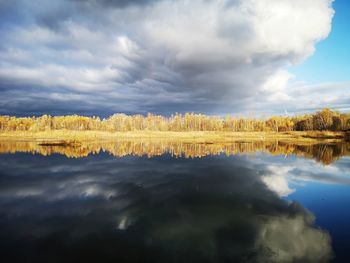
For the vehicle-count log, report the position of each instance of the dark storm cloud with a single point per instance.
(159, 56)
(54, 19)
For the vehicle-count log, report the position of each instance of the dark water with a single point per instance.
(240, 208)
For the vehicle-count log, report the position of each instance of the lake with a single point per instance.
(164, 201)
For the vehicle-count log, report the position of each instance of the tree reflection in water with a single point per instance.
(322, 152)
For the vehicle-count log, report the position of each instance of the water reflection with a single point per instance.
(103, 209)
(322, 152)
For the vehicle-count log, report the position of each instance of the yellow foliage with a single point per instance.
(323, 120)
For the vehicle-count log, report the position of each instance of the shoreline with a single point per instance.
(68, 136)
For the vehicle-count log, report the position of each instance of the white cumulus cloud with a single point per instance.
(161, 56)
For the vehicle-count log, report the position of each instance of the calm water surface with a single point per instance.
(259, 207)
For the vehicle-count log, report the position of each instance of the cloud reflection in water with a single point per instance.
(213, 209)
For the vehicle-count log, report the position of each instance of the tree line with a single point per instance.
(325, 119)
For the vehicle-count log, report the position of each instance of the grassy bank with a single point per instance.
(68, 136)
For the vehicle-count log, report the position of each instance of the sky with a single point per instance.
(99, 57)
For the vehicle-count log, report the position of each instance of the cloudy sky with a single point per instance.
(98, 57)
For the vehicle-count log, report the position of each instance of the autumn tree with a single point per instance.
(322, 120)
